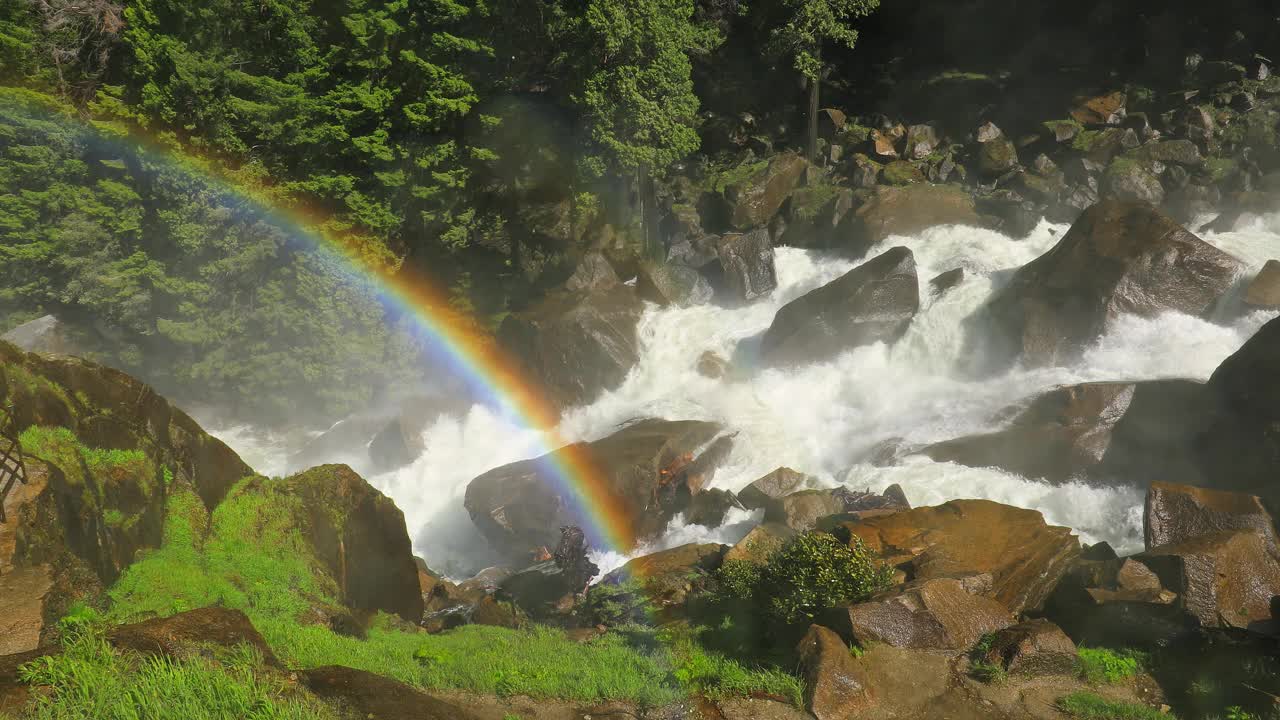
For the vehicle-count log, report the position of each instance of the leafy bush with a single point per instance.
(617, 604)
(1099, 665)
(816, 571)
(1087, 706)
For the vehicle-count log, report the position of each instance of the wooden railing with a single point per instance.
(12, 468)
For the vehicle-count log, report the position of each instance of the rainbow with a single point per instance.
(488, 371)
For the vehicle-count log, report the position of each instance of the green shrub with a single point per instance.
(738, 579)
(1098, 665)
(1087, 706)
(617, 604)
(816, 571)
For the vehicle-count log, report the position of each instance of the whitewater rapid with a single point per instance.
(821, 419)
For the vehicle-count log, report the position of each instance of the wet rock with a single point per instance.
(359, 536)
(189, 632)
(593, 273)
(542, 590)
(1100, 431)
(747, 263)
(1009, 213)
(376, 697)
(643, 469)
(833, 689)
(865, 172)
(874, 302)
(28, 601)
(997, 157)
(576, 345)
(1108, 109)
(815, 215)
(759, 709)
(906, 210)
(709, 507)
(885, 141)
(754, 201)
(776, 485)
(901, 172)
(937, 614)
(1024, 556)
(1035, 648)
(922, 140)
(665, 575)
(712, 365)
(1177, 513)
(1171, 152)
(761, 542)
(943, 282)
(1225, 579)
(667, 284)
(988, 132)
(1130, 181)
(1118, 258)
(800, 511)
(1263, 291)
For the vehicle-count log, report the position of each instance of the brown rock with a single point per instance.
(937, 614)
(832, 687)
(665, 575)
(874, 302)
(712, 365)
(185, 633)
(1118, 258)
(753, 202)
(25, 598)
(644, 467)
(1224, 579)
(1264, 290)
(747, 263)
(1177, 513)
(759, 709)
(801, 511)
(1105, 109)
(378, 698)
(905, 210)
(359, 535)
(885, 142)
(1035, 647)
(760, 543)
(946, 281)
(1024, 556)
(577, 345)
(776, 485)
(594, 273)
(667, 284)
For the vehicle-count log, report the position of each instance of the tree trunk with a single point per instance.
(814, 85)
(648, 215)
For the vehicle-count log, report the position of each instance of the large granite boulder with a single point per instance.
(762, 541)
(1118, 258)
(594, 273)
(1178, 513)
(754, 201)
(45, 334)
(1263, 292)
(576, 345)
(1132, 181)
(874, 302)
(665, 577)
(640, 474)
(668, 284)
(1225, 579)
(833, 688)
(776, 485)
(1104, 431)
(746, 264)
(1024, 556)
(1035, 647)
(936, 614)
(359, 537)
(906, 210)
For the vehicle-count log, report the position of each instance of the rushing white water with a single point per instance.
(822, 418)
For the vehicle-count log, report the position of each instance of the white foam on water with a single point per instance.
(822, 418)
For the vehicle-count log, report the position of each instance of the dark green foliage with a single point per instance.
(812, 572)
(613, 605)
(1098, 665)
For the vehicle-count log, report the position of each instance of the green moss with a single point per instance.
(113, 518)
(1085, 140)
(1219, 169)
(1087, 706)
(901, 172)
(808, 202)
(1098, 665)
(1053, 125)
(57, 446)
(719, 181)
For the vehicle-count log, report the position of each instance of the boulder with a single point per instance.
(1118, 258)
(1223, 580)
(776, 485)
(1009, 213)
(1107, 431)
(801, 511)
(665, 576)
(1171, 152)
(988, 132)
(542, 590)
(709, 507)
(594, 273)
(755, 200)
(1131, 181)
(901, 172)
(1108, 109)
(874, 302)
(1035, 647)
(833, 688)
(576, 345)
(943, 282)
(937, 614)
(29, 608)
(359, 536)
(667, 284)
(192, 632)
(1263, 292)
(922, 140)
(1177, 513)
(760, 543)
(46, 334)
(814, 216)
(641, 472)
(885, 141)
(747, 263)
(378, 698)
(754, 708)
(1024, 556)
(906, 210)
(711, 365)
(997, 157)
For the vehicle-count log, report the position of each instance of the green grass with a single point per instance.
(90, 679)
(717, 676)
(1099, 665)
(1087, 706)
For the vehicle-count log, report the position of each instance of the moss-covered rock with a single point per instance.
(901, 172)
